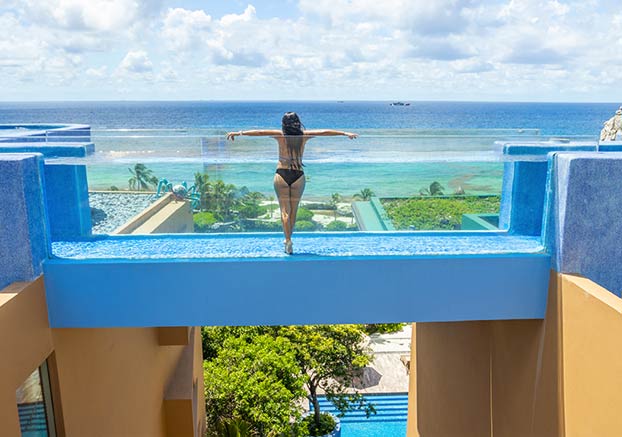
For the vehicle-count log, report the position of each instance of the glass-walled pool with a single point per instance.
(398, 179)
(139, 180)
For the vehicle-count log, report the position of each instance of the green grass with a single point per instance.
(437, 213)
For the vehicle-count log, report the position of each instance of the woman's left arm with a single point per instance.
(254, 133)
(329, 133)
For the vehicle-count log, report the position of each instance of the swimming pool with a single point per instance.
(389, 420)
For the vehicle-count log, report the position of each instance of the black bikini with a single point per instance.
(290, 176)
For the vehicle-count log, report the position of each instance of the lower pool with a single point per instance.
(389, 420)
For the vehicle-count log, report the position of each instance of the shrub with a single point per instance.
(429, 213)
(252, 210)
(319, 206)
(305, 225)
(262, 226)
(327, 424)
(203, 221)
(336, 225)
(304, 215)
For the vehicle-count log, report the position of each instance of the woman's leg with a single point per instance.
(289, 199)
(283, 193)
(296, 190)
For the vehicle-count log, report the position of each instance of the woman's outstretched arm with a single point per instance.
(254, 133)
(329, 133)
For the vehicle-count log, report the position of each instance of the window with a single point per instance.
(34, 405)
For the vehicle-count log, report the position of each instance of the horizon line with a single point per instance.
(302, 100)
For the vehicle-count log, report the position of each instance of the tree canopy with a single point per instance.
(258, 381)
(259, 374)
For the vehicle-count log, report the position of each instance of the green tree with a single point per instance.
(142, 178)
(224, 200)
(335, 198)
(258, 381)
(204, 188)
(435, 189)
(365, 194)
(235, 428)
(337, 226)
(331, 356)
(250, 205)
(384, 328)
(327, 357)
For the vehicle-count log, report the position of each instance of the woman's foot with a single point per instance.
(289, 247)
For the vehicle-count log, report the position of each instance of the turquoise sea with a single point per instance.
(401, 149)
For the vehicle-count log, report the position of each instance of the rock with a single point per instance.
(612, 127)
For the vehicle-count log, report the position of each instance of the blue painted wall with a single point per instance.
(68, 201)
(68, 208)
(524, 182)
(23, 224)
(584, 216)
(287, 291)
(522, 200)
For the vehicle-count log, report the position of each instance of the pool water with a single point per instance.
(389, 420)
(269, 245)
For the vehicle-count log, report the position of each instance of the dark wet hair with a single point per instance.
(293, 129)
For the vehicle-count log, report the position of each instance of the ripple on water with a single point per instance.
(271, 246)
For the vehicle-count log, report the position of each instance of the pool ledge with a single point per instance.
(316, 287)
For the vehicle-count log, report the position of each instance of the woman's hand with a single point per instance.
(231, 135)
(351, 135)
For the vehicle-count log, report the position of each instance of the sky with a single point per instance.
(495, 50)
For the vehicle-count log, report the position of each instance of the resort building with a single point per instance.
(516, 330)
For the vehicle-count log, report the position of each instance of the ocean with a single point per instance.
(401, 149)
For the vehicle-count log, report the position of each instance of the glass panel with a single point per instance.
(384, 180)
(34, 405)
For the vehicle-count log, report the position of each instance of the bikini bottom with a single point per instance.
(289, 176)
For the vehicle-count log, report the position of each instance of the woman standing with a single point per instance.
(289, 180)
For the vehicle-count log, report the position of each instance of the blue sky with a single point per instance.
(499, 50)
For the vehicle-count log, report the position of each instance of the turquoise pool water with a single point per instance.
(269, 245)
(389, 420)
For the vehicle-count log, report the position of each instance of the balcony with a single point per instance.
(243, 278)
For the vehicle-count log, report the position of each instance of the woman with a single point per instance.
(289, 180)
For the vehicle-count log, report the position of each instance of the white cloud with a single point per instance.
(96, 15)
(357, 48)
(184, 29)
(135, 63)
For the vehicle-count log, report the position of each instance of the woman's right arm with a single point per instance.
(254, 133)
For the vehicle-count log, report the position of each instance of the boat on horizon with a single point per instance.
(399, 104)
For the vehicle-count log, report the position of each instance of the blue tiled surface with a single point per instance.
(40, 133)
(270, 245)
(545, 147)
(23, 226)
(522, 203)
(584, 217)
(49, 149)
(68, 201)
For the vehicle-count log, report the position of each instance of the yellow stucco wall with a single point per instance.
(25, 342)
(561, 376)
(592, 359)
(112, 381)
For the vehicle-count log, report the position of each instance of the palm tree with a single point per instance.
(204, 188)
(365, 194)
(224, 199)
(436, 189)
(142, 178)
(335, 198)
